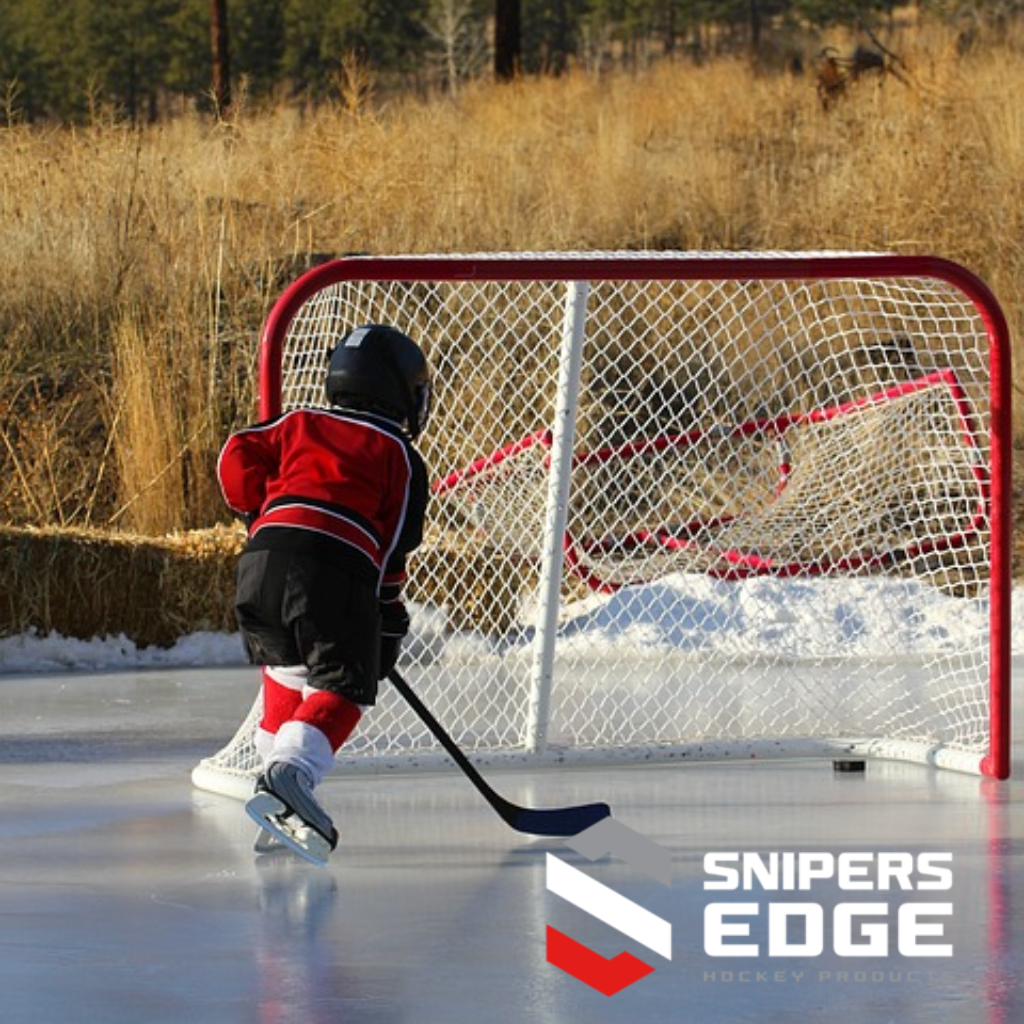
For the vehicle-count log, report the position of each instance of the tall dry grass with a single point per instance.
(138, 264)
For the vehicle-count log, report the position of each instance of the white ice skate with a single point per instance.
(284, 807)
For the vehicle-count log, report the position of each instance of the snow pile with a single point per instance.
(868, 617)
(808, 618)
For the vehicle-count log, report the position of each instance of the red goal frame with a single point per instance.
(721, 267)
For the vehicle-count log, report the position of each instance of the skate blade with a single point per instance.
(269, 813)
(267, 842)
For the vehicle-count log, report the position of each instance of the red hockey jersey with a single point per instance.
(351, 478)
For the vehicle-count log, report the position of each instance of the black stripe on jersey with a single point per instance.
(326, 506)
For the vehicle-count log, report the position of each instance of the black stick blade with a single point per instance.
(545, 821)
(555, 821)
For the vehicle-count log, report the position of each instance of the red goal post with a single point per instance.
(691, 505)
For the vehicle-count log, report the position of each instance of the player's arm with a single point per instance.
(245, 463)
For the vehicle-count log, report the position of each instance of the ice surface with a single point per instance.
(127, 897)
(130, 898)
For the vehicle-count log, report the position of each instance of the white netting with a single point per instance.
(791, 474)
(863, 484)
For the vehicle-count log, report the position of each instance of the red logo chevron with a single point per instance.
(607, 976)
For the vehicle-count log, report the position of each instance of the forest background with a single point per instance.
(147, 225)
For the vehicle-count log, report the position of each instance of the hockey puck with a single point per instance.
(849, 767)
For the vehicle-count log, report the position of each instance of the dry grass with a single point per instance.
(83, 583)
(139, 264)
(153, 590)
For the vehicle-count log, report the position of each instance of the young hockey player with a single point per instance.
(335, 500)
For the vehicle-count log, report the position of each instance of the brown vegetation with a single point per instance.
(837, 73)
(152, 590)
(139, 263)
(83, 583)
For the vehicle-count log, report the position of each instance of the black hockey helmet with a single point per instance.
(379, 368)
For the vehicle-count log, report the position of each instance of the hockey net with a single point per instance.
(688, 505)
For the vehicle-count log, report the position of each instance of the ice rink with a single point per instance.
(128, 897)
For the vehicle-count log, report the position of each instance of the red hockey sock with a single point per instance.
(332, 714)
(282, 695)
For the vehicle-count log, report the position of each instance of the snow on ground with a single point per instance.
(683, 612)
(33, 652)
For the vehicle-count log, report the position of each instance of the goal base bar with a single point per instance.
(239, 785)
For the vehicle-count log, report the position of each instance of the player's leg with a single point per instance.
(334, 622)
(302, 755)
(261, 593)
(282, 694)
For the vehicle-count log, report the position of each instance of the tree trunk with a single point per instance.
(507, 41)
(755, 27)
(221, 54)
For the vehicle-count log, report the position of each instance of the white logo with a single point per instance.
(355, 339)
(850, 933)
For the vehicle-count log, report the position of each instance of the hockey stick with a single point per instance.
(548, 821)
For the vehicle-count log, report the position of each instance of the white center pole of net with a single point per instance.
(556, 514)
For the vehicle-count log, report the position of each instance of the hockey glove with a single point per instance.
(394, 626)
